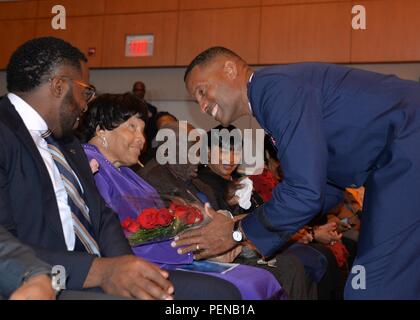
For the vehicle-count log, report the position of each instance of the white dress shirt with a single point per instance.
(37, 126)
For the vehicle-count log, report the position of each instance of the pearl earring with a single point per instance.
(104, 142)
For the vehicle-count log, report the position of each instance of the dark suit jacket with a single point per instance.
(28, 206)
(17, 262)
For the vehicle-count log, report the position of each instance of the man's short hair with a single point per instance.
(34, 61)
(208, 55)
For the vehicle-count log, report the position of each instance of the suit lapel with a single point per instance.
(49, 200)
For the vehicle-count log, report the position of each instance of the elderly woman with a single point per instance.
(113, 127)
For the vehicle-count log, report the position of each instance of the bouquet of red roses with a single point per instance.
(154, 225)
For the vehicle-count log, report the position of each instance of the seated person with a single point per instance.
(221, 176)
(48, 199)
(113, 125)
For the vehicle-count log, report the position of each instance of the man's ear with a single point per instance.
(57, 87)
(230, 69)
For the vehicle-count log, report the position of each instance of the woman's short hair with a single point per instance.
(108, 111)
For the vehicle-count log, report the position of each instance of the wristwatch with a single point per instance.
(237, 234)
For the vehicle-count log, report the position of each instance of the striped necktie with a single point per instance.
(85, 238)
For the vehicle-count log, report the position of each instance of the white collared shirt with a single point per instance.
(36, 127)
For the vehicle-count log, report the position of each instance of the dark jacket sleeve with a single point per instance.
(111, 236)
(17, 262)
(292, 115)
(333, 196)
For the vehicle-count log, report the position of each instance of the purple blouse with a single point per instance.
(128, 195)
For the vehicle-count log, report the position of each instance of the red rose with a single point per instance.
(148, 219)
(130, 225)
(187, 214)
(164, 217)
(134, 226)
(173, 207)
(126, 223)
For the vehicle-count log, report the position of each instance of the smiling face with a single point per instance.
(124, 142)
(218, 89)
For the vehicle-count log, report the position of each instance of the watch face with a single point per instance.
(237, 236)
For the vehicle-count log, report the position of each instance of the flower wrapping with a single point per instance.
(154, 225)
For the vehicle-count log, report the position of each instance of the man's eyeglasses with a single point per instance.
(89, 91)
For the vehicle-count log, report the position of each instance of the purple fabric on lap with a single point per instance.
(162, 253)
(252, 282)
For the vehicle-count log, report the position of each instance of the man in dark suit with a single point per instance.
(48, 81)
(334, 127)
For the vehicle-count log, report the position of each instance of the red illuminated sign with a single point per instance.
(139, 46)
